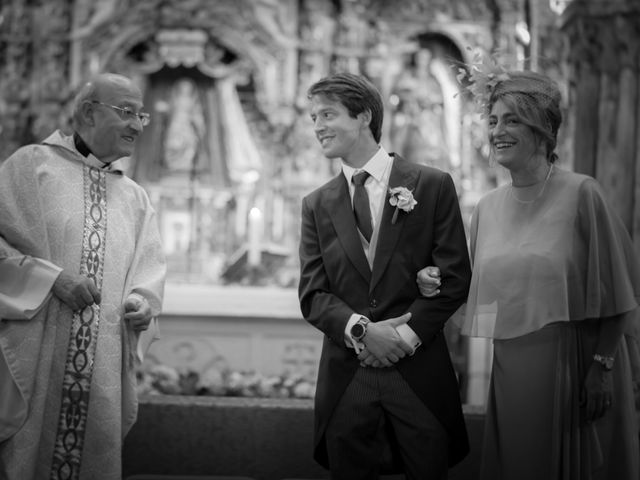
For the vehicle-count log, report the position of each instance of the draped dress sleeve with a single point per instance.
(567, 257)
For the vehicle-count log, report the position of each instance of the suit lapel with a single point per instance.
(402, 175)
(338, 205)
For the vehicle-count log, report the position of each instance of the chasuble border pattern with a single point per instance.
(84, 335)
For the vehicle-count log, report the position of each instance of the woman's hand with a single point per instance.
(597, 392)
(428, 280)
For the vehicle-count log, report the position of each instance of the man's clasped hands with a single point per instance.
(383, 346)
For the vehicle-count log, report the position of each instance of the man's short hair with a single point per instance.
(356, 93)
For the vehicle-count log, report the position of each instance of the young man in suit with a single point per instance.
(385, 380)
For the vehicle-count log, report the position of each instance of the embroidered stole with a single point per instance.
(84, 335)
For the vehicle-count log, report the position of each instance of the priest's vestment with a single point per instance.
(67, 379)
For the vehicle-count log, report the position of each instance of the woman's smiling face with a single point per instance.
(512, 142)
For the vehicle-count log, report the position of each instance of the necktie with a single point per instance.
(361, 205)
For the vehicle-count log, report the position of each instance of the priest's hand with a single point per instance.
(76, 291)
(137, 312)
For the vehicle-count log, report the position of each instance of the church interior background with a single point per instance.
(230, 150)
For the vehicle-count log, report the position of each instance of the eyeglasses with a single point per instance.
(127, 114)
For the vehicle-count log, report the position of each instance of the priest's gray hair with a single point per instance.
(90, 91)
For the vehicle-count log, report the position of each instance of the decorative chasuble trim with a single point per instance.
(76, 386)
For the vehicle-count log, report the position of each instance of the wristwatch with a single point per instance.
(359, 329)
(604, 360)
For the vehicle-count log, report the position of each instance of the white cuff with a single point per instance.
(146, 338)
(409, 336)
(136, 296)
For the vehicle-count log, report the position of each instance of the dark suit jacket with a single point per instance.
(336, 282)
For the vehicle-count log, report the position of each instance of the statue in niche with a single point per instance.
(185, 131)
(418, 127)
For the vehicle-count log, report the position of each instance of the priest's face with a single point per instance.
(116, 121)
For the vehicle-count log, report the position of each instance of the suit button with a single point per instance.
(373, 303)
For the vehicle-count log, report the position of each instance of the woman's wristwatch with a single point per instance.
(604, 360)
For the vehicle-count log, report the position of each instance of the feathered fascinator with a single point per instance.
(480, 78)
(487, 81)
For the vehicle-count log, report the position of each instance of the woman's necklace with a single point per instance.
(544, 185)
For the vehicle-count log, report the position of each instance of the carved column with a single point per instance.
(33, 71)
(51, 91)
(603, 57)
(15, 61)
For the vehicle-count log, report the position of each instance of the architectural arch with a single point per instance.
(425, 109)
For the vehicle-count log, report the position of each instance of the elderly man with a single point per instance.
(81, 282)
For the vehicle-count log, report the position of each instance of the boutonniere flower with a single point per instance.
(402, 199)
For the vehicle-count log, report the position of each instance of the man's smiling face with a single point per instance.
(340, 135)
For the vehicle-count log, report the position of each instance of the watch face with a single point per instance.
(357, 331)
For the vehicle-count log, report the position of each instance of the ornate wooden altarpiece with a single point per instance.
(230, 151)
(225, 84)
